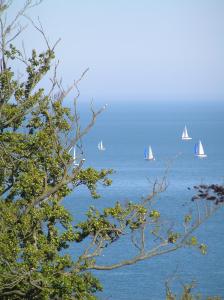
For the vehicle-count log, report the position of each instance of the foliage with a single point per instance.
(37, 172)
(187, 294)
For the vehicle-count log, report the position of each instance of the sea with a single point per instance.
(126, 129)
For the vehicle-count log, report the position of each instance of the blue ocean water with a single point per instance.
(126, 128)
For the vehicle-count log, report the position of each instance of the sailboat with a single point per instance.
(148, 155)
(199, 150)
(74, 158)
(185, 135)
(101, 146)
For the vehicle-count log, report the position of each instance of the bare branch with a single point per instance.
(20, 30)
(28, 5)
(41, 30)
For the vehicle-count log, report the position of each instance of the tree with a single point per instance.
(38, 172)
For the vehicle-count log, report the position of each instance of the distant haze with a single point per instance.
(142, 49)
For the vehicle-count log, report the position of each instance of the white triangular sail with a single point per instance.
(74, 154)
(148, 155)
(101, 146)
(75, 158)
(199, 150)
(185, 135)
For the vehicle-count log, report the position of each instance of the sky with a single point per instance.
(135, 49)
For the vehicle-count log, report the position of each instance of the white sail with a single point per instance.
(200, 150)
(101, 146)
(74, 154)
(74, 158)
(185, 135)
(149, 154)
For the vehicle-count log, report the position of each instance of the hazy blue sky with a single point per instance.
(142, 49)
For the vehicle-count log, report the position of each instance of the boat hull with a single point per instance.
(201, 155)
(186, 138)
